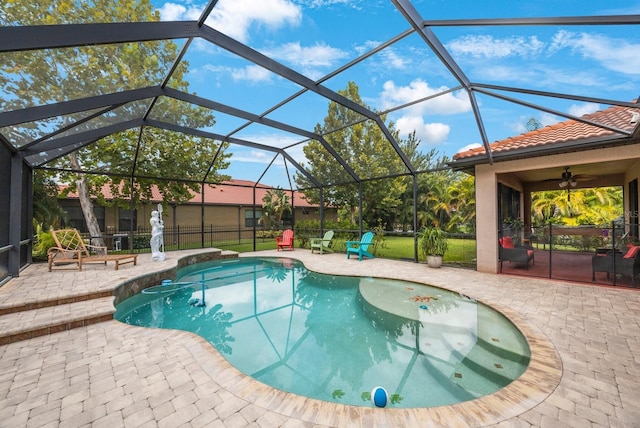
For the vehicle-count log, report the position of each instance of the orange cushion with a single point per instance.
(507, 242)
(631, 253)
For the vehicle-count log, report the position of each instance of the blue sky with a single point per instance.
(316, 37)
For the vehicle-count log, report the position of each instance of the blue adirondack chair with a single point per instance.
(360, 247)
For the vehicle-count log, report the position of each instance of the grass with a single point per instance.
(461, 251)
(245, 247)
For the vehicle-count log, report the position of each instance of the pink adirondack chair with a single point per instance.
(286, 240)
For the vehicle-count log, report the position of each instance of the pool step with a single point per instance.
(26, 324)
(44, 303)
(31, 313)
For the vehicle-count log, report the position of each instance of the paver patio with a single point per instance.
(114, 375)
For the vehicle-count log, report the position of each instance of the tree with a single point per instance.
(596, 205)
(55, 75)
(274, 203)
(434, 208)
(533, 124)
(462, 198)
(46, 209)
(365, 148)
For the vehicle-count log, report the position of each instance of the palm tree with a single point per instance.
(275, 204)
(46, 209)
(433, 199)
(462, 198)
(597, 205)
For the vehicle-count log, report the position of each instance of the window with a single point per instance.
(287, 219)
(508, 205)
(75, 217)
(250, 220)
(124, 219)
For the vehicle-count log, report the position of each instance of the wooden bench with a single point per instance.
(71, 249)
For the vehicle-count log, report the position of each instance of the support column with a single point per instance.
(486, 219)
(15, 214)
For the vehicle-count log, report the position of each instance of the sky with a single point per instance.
(317, 37)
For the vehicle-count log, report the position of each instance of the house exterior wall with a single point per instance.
(631, 174)
(486, 219)
(190, 215)
(488, 176)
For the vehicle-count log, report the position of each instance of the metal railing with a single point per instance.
(462, 252)
(581, 253)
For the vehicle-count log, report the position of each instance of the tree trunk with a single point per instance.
(87, 205)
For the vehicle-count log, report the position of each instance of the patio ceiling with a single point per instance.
(607, 173)
(265, 123)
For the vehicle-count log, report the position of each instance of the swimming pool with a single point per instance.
(336, 338)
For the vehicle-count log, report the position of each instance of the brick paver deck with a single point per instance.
(108, 374)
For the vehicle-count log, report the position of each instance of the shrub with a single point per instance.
(44, 241)
(141, 241)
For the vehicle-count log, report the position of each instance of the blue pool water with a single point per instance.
(335, 338)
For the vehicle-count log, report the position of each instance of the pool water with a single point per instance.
(335, 338)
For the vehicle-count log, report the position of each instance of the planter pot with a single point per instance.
(434, 261)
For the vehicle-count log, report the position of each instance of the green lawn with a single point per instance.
(461, 251)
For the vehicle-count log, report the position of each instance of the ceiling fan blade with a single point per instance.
(584, 177)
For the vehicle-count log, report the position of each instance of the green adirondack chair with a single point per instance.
(360, 247)
(322, 244)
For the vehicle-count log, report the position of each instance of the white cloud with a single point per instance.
(413, 119)
(235, 17)
(450, 103)
(549, 119)
(319, 55)
(614, 54)
(543, 75)
(430, 133)
(469, 147)
(392, 59)
(326, 3)
(487, 46)
(582, 109)
(172, 12)
(252, 73)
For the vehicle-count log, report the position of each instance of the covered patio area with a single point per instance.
(571, 266)
(108, 373)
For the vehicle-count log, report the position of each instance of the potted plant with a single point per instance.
(433, 243)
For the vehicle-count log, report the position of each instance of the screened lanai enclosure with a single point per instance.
(352, 103)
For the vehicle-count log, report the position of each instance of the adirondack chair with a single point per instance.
(322, 244)
(360, 247)
(285, 241)
(71, 249)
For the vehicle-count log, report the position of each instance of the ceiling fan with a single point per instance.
(569, 180)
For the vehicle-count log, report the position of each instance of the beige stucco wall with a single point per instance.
(488, 176)
(217, 215)
(632, 174)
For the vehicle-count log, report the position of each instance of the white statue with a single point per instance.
(157, 240)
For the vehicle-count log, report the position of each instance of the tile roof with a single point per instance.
(563, 132)
(231, 192)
